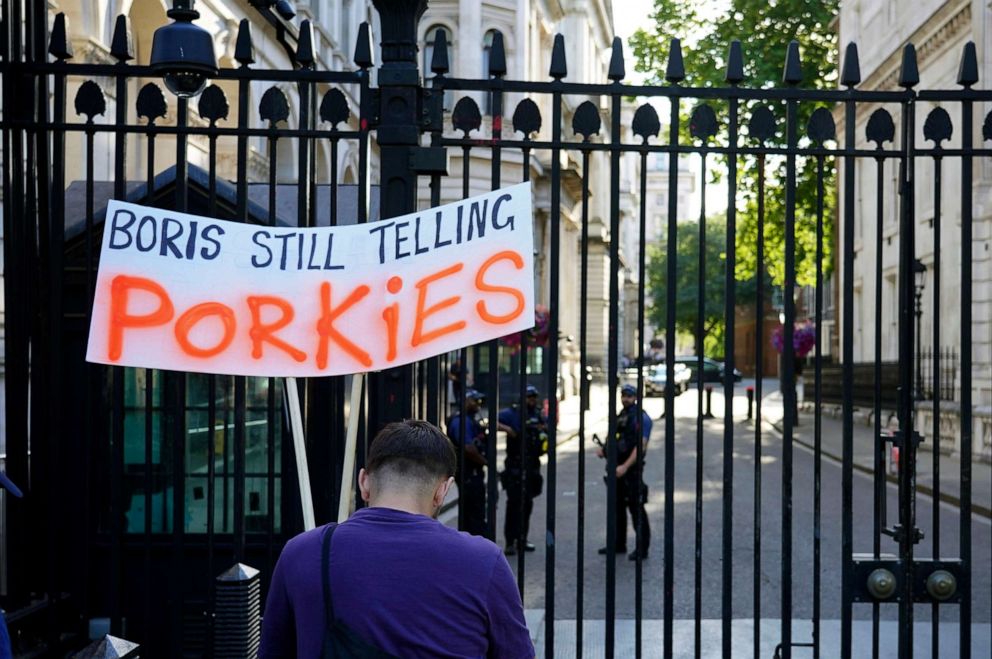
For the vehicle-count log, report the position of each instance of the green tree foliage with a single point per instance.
(765, 27)
(687, 282)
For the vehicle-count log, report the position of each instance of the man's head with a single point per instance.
(532, 394)
(473, 401)
(410, 466)
(628, 395)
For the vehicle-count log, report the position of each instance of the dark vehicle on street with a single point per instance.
(655, 376)
(712, 369)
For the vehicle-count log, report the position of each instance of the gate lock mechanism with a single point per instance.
(882, 579)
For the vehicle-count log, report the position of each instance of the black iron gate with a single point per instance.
(144, 485)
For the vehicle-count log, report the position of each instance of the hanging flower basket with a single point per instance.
(803, 338)
(537, 336)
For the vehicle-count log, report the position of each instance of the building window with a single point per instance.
(487, 48)
(429, 37)
(149, 454)
(346, 36)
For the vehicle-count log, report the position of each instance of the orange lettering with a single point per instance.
(419, 337)
(391, 315)
(120, 289)
(325, 326)
(194, 315)
(261, 332)
(480, 283)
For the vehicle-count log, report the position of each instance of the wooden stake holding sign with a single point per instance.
(350, 449)
(311, 302)
(345, 498)
(300, 451)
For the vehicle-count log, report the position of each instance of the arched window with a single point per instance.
(429, 37)
(487, 49)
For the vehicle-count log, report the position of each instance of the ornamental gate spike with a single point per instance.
(851, 75)
(675, 70)
(559, 69)
(617, 71)
(439, 58)
(735, 63)
(244, 49)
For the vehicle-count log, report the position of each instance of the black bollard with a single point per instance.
(750, 403)
(709, 402)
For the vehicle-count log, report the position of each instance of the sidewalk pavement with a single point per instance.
(831, 440)
(596, 417)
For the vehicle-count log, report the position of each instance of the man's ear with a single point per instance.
(364, 486)
(442, 491)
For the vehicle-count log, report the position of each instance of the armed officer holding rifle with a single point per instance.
(632, 433)
(521, 477)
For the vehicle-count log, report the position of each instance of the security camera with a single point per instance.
(285, 9)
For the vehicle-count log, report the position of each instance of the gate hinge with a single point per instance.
(426, 160)
(370, 109)
(432, 110)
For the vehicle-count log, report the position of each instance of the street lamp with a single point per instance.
(183, 53)
(920, 280)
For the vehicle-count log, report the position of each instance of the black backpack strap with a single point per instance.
(340, 641)
(325, 574)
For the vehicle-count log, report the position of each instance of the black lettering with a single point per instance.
(313, 251)
(285, 248)
(147, 220)
(209, 256)
(382, 239)
(458, 226)
(254, 259)
(400, 240)
(509, 219)
(191, 240)
(169, 240)
(416, 239)
(299, 258)
(330, 250)
(477, 219)
(437, 232)
(115, 227)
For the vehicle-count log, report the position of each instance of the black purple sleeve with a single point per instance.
(508, 634)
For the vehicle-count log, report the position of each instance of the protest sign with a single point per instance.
(187, 293)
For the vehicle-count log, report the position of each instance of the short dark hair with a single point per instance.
(411, 449)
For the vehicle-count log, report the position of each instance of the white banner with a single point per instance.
(188, 293)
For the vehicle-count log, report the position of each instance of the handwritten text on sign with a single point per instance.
(188, 293)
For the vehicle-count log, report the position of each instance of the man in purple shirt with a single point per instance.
(400, 581)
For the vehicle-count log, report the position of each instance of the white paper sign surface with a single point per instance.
(188, 293)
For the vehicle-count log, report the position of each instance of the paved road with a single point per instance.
(744, 524)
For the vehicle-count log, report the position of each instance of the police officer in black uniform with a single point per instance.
(522, 481)
(633, 431)
(466, 430)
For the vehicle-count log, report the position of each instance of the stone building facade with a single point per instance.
(939, 29)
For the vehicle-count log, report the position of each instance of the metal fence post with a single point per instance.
(397, 133)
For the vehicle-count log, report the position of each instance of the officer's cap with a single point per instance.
(532, 390)
(628, 390)
(475, 394)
